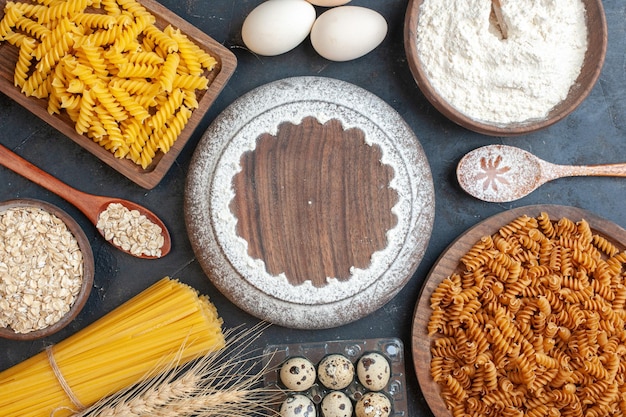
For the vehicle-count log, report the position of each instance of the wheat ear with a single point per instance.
(220, 383)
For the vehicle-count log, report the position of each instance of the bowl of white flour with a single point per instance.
(505, 82)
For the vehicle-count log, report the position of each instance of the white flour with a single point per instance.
(497, 80)
(212, 225)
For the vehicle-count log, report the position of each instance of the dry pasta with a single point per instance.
(119, 350)
(536, 327)
(115, 59)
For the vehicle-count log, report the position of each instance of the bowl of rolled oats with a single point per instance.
(46, 269)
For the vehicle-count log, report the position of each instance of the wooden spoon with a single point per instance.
(90, 205)
(500, 173)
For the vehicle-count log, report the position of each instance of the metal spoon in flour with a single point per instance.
(500, 173)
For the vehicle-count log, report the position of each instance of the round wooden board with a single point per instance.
(448, 263)
(309, 202)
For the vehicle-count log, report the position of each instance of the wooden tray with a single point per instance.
(300, 180)
(147, 178)
(448, 263)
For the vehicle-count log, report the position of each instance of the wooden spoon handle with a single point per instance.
(604, 170)
(82, 201)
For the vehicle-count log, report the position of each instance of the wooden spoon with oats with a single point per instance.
(147, 237)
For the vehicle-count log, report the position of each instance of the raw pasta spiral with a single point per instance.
(23, 62)
(536, 327)
(86, 112)
(32, 28)
(94, 20)
(110, 68)
(11, 16)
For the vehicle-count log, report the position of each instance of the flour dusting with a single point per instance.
(236, 248)
(212, 226)
(498, 80)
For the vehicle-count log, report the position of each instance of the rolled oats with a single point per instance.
(41, 269)
(130, 230)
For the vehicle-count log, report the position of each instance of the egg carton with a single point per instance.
(391, 348)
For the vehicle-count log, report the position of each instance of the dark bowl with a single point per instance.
(597, 36)
(88, 269)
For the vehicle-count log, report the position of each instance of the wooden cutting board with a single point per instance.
(150, 176)
(309, 202)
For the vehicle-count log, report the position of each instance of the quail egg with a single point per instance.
(373, 371)
(335, 371)
(297, 374)
(298, 405)
(373, 404)
(336, 404)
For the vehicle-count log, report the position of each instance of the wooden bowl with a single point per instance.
(592, 65)
(449, 263)
(88, 269)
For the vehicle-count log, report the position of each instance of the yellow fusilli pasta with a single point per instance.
(105, 62)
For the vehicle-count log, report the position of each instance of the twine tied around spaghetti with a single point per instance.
(59, 375)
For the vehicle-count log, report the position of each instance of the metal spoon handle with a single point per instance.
(602, 170)
(81, 200)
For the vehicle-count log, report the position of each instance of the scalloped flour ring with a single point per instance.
(235, 247)
(299, 178)
(212, 226)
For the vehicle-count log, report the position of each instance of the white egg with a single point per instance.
(329, 3)
(298, 405)
(277, 26)
(348, 32)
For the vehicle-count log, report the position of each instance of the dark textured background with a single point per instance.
(595, 133)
